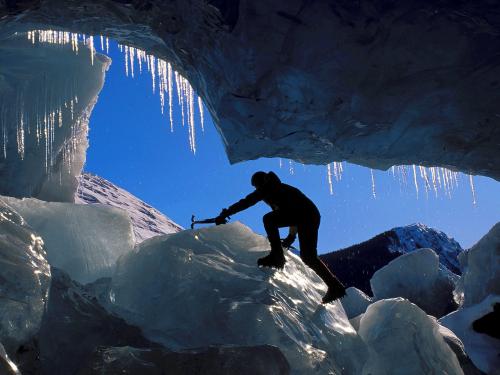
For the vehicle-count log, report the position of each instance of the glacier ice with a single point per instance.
(146, 220)
(85, 241)
(75, 323)
(25, 279)
(481, 264)
(47, 94)
(482, 349)
(202, 287)
(255, 360)
(355, 302)
(403, 339)
(418, 277)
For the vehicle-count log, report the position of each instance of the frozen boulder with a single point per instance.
(403, 339)
(458, 348)
(355, 302)
(257, 360)
(24, 279)
(418, 277)
(75, 323)
(482, 349)
(202, 287)
(84, 241)
(481, 265)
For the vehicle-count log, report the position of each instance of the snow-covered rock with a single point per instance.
(25, 279)
(257, 360)
(482, 349)
(202, 287)
(419, 236)
(355, 302)
(85, 241)
(47, 94)
(403, 339)
(146, 220)
(417, 277)
(481, 264)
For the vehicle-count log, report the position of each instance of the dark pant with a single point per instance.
(307, 224)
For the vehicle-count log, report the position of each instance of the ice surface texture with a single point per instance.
(417, 277)
(24, 279)
(355, 302)
(404, 340)
(481, 264)
(84, 241)
(256, 360)
(7, 367)
(146, 220)
(202, 287)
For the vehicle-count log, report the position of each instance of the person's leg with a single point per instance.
(272, 222)
(308, 241)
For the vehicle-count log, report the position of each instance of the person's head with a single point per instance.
(259, 179)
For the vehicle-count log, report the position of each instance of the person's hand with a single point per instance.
(287, 242)
(221, 219)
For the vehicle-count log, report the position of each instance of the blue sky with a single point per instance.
(132, 146)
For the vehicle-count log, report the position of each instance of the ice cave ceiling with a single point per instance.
(377, 83)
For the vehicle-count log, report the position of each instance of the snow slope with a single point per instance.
(146, 221)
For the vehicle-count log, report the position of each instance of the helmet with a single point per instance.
(259, 179)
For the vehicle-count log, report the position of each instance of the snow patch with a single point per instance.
(146, 220)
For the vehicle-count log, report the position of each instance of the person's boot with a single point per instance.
(275, 259)
(335, 291)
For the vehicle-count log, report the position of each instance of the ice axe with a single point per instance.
(206, 221)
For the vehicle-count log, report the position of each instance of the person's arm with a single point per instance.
(290, 239)
(241, 205)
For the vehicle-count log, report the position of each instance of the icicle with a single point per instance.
(92, 50)
(170, 112)
(373, 184)
(131, 51)
(281, 163)
(102, 43)
(473, 190)
(415, 179)
(107, 45)
(126, 61)
(200, 108)
(329, 174)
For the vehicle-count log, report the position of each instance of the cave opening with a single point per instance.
(139, 145)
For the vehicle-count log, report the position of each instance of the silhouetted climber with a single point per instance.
(291, 208)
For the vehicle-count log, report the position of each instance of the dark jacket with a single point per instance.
(278, 196)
